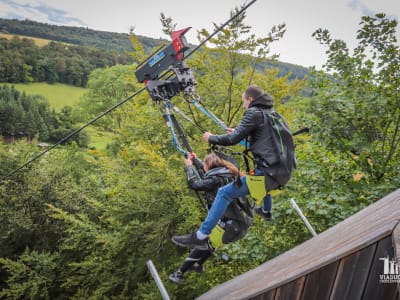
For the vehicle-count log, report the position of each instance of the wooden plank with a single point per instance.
(352, 274)
(270, 295)
(319, 283)
(353, 234)
(374, 288)
(291, 291)
(396, 243)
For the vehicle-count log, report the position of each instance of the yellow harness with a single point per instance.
(256, 185)
(216, 236)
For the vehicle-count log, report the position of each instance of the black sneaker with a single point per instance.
(196, 268)
(190, 240)
(176, 277)
(267, 215)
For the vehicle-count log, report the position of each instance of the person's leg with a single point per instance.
(202, 256)
(266, 208)
(267, 203)
(224, 197)
(194, 262)
(196, 257)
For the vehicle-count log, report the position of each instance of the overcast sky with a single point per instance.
(302, 18)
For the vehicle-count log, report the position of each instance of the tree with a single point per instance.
(167, 24)
(239, 55)
(106, 87)
(359, 104)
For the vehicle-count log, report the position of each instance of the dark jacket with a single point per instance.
(236, 223)
(253, 128)
(212, 181)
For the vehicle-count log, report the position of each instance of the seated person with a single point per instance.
(232, 226)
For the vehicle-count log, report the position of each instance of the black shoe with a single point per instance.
(196, 268)
(267, 215)
(190, 240)
(176, 277)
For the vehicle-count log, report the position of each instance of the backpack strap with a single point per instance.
(271, 120)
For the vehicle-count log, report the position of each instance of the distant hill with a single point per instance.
(109, 40)
(76, 35)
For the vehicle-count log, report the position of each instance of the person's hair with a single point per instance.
(253, 91)
(214, 161)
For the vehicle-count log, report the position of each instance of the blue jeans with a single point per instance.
(224, 197)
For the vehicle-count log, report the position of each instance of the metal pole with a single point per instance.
(303, 217)
(158, 281)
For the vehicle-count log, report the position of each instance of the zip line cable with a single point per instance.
(73, 133)
(244, 7)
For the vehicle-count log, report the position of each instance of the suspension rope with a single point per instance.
(187, 118)
(170, 125)
(195, 100)
(209, 114)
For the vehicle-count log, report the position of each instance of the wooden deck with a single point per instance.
(341, 263)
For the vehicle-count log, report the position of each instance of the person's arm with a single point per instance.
(207, 184)
(242, 131)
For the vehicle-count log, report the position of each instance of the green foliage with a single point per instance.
(359, 109)
(167, 24)
(24, 115)
(82, 224)
(121, 43)
(239, 54)
(58, 95)
(32, 274)
(74, 35)
(23, 61)
(106, 88)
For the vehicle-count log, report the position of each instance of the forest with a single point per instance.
(27, 116)
(75, 35)
(23, 61)
(81, 223)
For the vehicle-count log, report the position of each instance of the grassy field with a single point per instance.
(99, 139)
(59, 95)
(38, 41)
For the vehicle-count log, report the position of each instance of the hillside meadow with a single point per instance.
(59, 95)
(38, 41)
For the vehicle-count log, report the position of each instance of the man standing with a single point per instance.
(255, 128)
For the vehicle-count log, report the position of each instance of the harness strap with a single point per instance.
(168, 117)
(187, 118)
(209, 114)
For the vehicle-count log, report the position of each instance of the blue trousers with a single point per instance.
(224, 197)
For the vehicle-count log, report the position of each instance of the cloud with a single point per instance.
(372, 7)
(358, 5)
(38, 11)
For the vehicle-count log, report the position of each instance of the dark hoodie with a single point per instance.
(253, 128)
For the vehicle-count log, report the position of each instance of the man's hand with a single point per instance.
(229, 130)
(206, 135)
